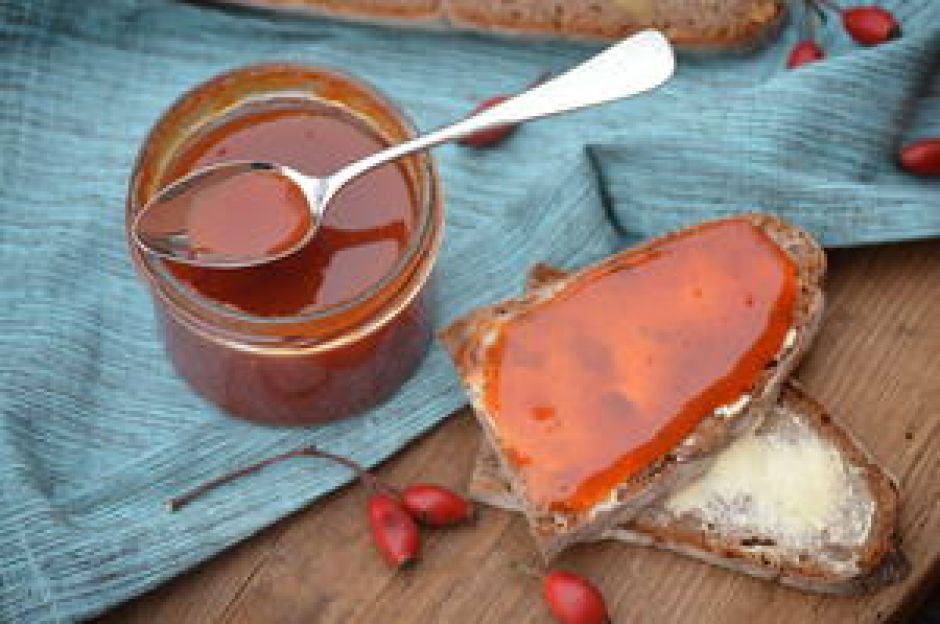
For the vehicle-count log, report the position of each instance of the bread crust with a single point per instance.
(689, 24)
(553, 531)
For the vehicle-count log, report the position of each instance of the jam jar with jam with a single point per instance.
(336, 327)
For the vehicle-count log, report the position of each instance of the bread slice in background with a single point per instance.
(699, 24)
(469, 339)
(690, 24)
(798, 501)
(420, 13)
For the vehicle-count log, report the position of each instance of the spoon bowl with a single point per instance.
(176, 223)
(169, 225)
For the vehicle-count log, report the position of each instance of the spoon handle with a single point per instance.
(635, 65)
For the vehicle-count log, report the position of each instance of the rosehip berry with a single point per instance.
(393, 530)
(488, 138)
(804, 52)
(435, 506)
(921, 157)
(870, 25)
(574, 600)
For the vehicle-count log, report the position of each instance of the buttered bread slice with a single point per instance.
(798, 501)
(597, 391)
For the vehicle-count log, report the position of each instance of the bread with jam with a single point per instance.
(609, 387)
(799, 502)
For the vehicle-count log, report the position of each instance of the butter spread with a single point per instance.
(788, 481)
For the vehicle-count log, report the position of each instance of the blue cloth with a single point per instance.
(96, 429)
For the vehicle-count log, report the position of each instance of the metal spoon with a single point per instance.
(635, 65)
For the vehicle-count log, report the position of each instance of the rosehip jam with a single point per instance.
(341, 324)
(590, 387)
(256, 214)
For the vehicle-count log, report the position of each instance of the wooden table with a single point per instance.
(876, 364)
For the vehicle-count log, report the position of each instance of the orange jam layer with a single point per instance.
(363, 235)
(594, 385)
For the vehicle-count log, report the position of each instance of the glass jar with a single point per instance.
(309, 367)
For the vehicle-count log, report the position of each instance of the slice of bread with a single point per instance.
(689, 24)
(798, 501)
(470, 339)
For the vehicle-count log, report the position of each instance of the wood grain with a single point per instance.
(876, 364)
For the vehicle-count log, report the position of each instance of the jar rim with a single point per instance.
(424, 185)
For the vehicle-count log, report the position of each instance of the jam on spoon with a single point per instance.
(255, 214)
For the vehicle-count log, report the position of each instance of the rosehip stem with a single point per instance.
(368, 479)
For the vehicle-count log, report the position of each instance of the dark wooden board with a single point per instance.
(876, 364)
